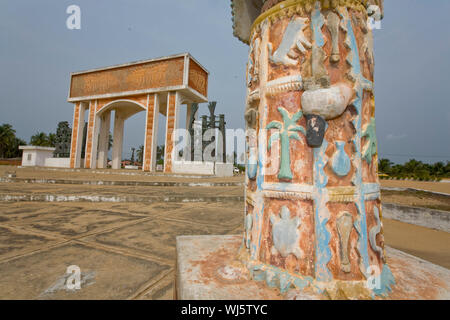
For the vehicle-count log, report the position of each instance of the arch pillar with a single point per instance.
(90, 160)
(173, 103)
(117, 147)
(103, 142)
(77, 135)
(151, 133)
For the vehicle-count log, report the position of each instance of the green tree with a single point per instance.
(40, 139)
(52, 140)
(13, 151)
(7, 136)
(385, 166)
(287, 130)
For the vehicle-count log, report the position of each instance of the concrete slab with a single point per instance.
(136, 192)
(200, 257)
(162, 290)
(42, 275)
(153, 237)
(226, 214)
(14, 242)
(73, 223)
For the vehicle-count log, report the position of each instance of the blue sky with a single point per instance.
(38, 52)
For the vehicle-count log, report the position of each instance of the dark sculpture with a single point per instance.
(207, 123)
(63, 138)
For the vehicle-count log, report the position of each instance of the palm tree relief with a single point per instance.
(286, 130)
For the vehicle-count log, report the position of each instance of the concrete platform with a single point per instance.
(200, 258)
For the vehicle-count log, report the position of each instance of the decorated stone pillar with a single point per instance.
(171, 126)
(90, 160)
(77, 135)
(151, 123)
(313, 210)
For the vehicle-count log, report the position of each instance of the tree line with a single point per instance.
(414, 169)
(9, 142)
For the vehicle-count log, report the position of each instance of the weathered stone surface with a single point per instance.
(199, 258)
(101, 282)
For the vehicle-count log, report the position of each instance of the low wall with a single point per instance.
(11, 162)
(428, 218)
(223, 169)
(57, 162)
(193, 167)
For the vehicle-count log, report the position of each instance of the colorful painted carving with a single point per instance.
(253, 62)
(315, 77)
(374, 232)
(248, 228)
(293, 37)
(333, 22)
(288, 129)
(344, 226)
(285, 234)
(370, 148)
(341, 163)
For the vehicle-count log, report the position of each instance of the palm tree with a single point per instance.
(7, 137)
(51, 140)
(385, 166)
(13, 151)
(288, 129)
(40, 139)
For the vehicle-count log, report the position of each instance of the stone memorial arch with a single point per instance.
(154, 86)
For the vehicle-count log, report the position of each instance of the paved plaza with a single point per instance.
(126, 250)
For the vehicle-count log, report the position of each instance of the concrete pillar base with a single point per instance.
(201, 275)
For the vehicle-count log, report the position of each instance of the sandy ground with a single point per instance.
(38, 240)
(428, 244)
(416, 199)
(127, 250)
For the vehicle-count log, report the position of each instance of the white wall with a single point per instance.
(193, 167)
(57, 162)
(218, 169)
(35, 157)
(223, 169)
